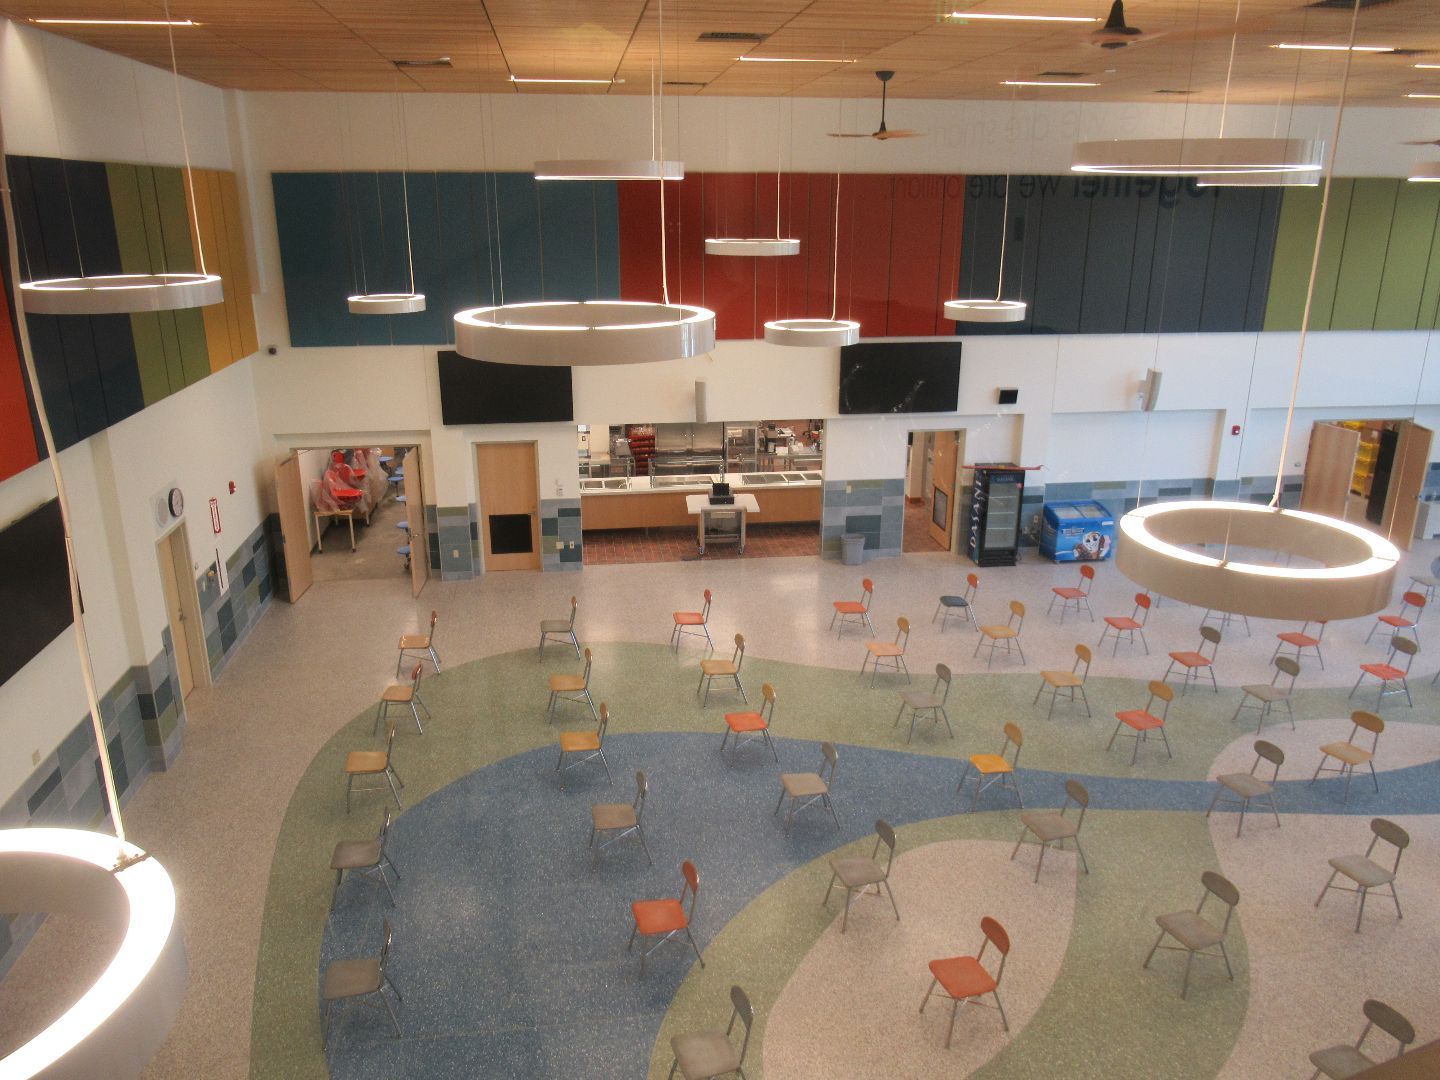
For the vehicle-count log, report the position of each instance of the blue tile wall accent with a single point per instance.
(562, 547)
(873, 508)
(456, 542)
(229, 616)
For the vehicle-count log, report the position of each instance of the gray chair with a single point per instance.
(366, 858)
(622, 819)
(1267, 695)
(1072, 681)
(560, 629)
(1247, 786)
(1194, 932)
(813, 787)
(587, 745)
(572, 688)
(1366, 874)
(919, 701)
(710, 670)
(419, 646)
(1344, 1061)
(703, 1054)
(361, 980)
(1049, 827)
(962, 606)
(857, 874)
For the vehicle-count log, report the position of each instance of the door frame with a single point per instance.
(536, 537)
(193, 632)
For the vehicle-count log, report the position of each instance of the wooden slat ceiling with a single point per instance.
(352, 44)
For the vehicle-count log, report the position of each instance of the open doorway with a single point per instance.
(1370, 472)
(182, 608)
(932, 485)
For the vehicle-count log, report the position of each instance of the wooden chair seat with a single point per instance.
(1265, 692)
(1062, 679)
(1139, 719)
(802, 785)
(401, 692)
(607, 816)
(1191, 659)
(566, 683)
(717, 667)
(1347, 752)
(999, 631)
(362, 762)
(572, 741)
(884, 648)
(989, 764)
(414, 641)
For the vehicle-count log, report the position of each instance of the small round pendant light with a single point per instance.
(758, 247)
(392, 303)
(819, 333)
(984, 309)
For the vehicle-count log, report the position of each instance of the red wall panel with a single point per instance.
(17, 435)
(865, 252)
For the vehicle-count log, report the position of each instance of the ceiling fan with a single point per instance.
(882, 132)
(1421, 142)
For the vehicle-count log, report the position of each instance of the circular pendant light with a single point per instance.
(584, 333)
(1197, 157)
(812, 333)
(610, 169)
(386, 303)
(986, 311)
(1425, 172)
(114, 294)
(1155, 550)
(757, 247)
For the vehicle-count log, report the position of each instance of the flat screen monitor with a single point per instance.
(900, 377)
(34, 586)
(481, 392)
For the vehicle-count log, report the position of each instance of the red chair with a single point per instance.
(1143, 721)
(965, 978)
(1302, 639)
(1387, 672)
(664, 919)
(686, 619)
(1130, 625)
(1192, 663)
(1403, 620)
(845, 610)
(1079, 596)
(752, 725)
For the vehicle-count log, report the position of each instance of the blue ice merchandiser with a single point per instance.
(1082, 531)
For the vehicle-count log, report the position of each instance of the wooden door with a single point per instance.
(509, 505)
(1407, 477)
(294, 534)
(173, 559)
(943, 473)
(413, 486)
(1329, 468)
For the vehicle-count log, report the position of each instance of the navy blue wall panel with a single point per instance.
(1109, 254)
(1059, 278)
(1266, 229)
(434, 322)
(364, 236)
(315, 260)
(1231, 259)
(1182, 251)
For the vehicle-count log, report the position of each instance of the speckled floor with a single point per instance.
(246, 821)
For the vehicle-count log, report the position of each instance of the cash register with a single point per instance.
(720, 494)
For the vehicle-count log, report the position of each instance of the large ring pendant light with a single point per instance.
(584, 333)
(812, 333)
(1356, 579)
(113, 294)
(1197, 157)
(754, 246)
(986, 311)
(386, 303)
(610, 169)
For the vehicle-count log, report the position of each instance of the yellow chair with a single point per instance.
(891, 651)
(710, 670)
(402, 694)
(589, 743)
(992, 637)
(813, 787)
(572, 688)
(419, 646)
(1072, 681)
(1349, 754)
(373, 763)
(996, 768)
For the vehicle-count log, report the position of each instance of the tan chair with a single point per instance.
(962, 606)
(891, 652)
(1128, 625)
(560, 629)
(419, 647)
(361, 980)
(1079, 595)
(366, 858)
(1350, 754)
(710, 670)
(1366, 874)
(668, 918)
(622, 819)
(589, 744)
(856, 610)
(1247, 786)
(1392, 678)
(749, 726)
(572, 688)
(857, 874)
(993, 636)
(685, 621)
(965, 978)
(1268, 695)
(1048, 827)
(996, 768)
(1302, 639)
(703, 1054)
(1142, 722)
(1194, 932)
(1192, 663)
(402, 694)
(374, 763)
(1344, 1061)
(934, 703)
(813, 787)
(1072, 681)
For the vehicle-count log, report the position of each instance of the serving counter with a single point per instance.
(644, 502)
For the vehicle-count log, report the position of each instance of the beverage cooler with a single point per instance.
(995, 497)
(1071, 531)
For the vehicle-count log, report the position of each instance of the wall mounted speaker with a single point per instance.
(1007, 395)
(700, 401)
(1150, 390)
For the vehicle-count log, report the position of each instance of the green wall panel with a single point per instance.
(1361, 265)
(1412, 233)
(1294, 246)
(136, 225)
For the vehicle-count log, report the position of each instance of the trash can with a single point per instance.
(853, 547)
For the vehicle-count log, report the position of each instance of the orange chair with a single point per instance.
(1129, 625)
(1410, 602)
(965, 978)
(1077, 595)
(1302, 639)
(402, 694)
(992, 636)
(892, 651)
(589, 743)
(419, 646)
(996, 768)
(752, 725)
(1192, 663)
(664, 919)
(1072, 681)
(1387, 672)
(859, 610)
(1143, 721)
(686, 619)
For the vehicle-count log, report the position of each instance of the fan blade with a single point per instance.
(851, 134)
(900, 133)
(1421, 142)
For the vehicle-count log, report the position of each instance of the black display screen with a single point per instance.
(34, 586)
(900, 377)
(480, 392)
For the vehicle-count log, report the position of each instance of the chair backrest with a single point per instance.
(1013, 734)
(1388, 1021)
(691, 885)
(1165, 692)
(738, 657)
(588, 661)
(1087, 575)
(996, 935)
(1077, 793)
(642, 789)
(828, 760)
(902, 630)
(705, 609)
(574, 607)
(745, 1012)
(415, 673)
(884, 834)
(390, 722)
(767, 705)
(1412, 599)
(1406, 646)
(434, 618)
(1082, 656)
(1142, 607)
(604, 722)
(867, 587)
(1391, 833)
(1222, 889)
(1211, 635)
(1017, 611)
(942, 675)
(972, 583)
(1370, 722)
(1286, 665)
(1271, 753)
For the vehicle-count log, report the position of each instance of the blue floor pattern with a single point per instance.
(510, 951)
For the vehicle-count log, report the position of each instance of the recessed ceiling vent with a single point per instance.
(1347, 5)
(1060, 74)
(731, 35)
(434, 62)
(683, 83)
(1180, 92)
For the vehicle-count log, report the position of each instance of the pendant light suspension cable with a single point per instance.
(184, 141)
(660, 150)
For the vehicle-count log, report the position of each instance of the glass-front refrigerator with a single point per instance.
(995, 497)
